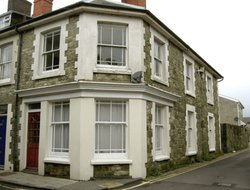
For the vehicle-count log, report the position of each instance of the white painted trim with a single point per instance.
(165, 154)
(210, 100)
(211, 142)
(194, 149)
(38, 73)
(99, 90)
(110, 161)
(189, 59)
(14, 41)
(57, 160)
(165, 53)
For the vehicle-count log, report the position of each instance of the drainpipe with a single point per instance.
(16, 115)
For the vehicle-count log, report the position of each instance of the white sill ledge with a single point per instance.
(161, 158)
(112, 70)
(211, 150)
(191, 153)
(110, 161)
(156, 79)
(57, 160)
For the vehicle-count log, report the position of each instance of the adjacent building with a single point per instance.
(103, 89)
(231, 111)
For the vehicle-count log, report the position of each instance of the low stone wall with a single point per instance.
(233, 137)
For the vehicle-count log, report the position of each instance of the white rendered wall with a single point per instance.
(137, 137)
(88, 37)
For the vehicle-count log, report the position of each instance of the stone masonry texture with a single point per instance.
(178, 112)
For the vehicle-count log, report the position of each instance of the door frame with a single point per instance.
(5, 115)
(27, 133)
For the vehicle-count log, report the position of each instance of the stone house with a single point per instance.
(105, 89)
(247, 122)
(231, 111)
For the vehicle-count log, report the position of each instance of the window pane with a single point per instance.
(7, 54)
(6, 70)
(117, 112)
(57, 138)
(99, 33)
(118, 36)
(65, 112)
(65, 138)
(48, 42)
(104, 112)
(56, 60)
(48, 62)
(156, 50)
(104, 138)
(57, 113)
(106, 55)
(118, 56)
(56, 44)
(158, 138)
(106, 34)
(116, 138)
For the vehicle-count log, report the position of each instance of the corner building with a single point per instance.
(106, 90)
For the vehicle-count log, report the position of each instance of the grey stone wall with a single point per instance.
(112, 171)
(178, 112)
(26, 72)
(233, 137)
(57, 170)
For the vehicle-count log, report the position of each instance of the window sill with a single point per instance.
(190, 94)
(110, 161)
(161, 158)
(48, 74)
(212, 150)
(113, 70)
(191, 153)
(210, 103)
(57, 160)
(5, 82)
(156, 79)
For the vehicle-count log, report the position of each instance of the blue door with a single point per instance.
(2, 139)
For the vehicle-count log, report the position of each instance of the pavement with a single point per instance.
(26, 180)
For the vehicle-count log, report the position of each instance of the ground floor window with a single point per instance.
(111, 128)
(191, 130)
(161, 132)
(211, 132)
(60, 127)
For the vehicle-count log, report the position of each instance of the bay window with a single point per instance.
(112, 45)
(60, 128)
(111, 129)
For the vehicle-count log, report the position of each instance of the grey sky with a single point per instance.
(218, 30)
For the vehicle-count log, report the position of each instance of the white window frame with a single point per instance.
(211, 132)
(163, 78)
(51, 127)
(112, 156)
(52, 52)
(37, 66)
(6, 80)
(164, 152)
(125, 47)
(210, 87)
(191, 131)
(190, 90)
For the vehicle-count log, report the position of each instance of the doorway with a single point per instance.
(3, 120)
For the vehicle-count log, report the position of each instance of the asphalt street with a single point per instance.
(230, 174)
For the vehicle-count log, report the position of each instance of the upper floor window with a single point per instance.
(51, 50)
(158, 59)
(210, 92)
(112, 45)
(50, 47)
(189, 75)
(5, 62)
(111, 129)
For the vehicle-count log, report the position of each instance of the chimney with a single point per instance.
(42, 7)
(141, 3)
(21, 6)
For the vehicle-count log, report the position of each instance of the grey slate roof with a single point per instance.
(112, 4)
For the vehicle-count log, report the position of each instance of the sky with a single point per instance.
(218, 30)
